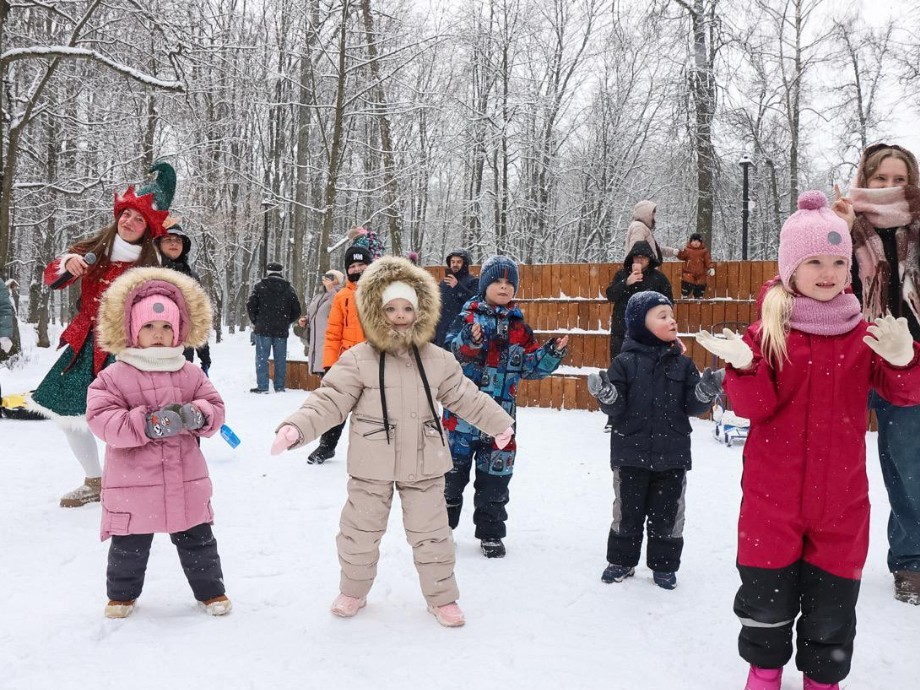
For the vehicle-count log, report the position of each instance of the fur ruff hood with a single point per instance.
(114, 326)
(374, 281)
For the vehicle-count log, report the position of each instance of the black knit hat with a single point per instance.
(274, 267)
(638, 306)
(357, 254)
(696, 236)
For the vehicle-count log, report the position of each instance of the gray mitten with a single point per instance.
(600, 387)
(163, 423)
(710, 385)
(192, 417)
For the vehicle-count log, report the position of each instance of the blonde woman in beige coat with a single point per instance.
(391, 384)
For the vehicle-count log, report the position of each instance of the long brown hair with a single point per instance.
(873, 157)
(101, 245)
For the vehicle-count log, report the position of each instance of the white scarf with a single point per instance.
(125, 251)
(153, 358)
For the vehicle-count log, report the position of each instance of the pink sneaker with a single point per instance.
(346, 606)
(764, 678)
(815, 685)
(449, 615)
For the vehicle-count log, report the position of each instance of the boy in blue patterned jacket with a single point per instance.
(496, 349)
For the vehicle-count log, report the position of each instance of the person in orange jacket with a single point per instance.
(344, 329)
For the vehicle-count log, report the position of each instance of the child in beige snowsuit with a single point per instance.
(390, 384)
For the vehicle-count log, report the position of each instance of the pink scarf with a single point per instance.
(892, 207)
(835, 317)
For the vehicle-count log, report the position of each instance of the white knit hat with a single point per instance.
(398, 289)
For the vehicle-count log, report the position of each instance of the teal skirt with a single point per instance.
(63, 390)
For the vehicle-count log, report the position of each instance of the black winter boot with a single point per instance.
(493, 548)
(320, 455)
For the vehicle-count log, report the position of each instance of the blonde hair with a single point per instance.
(874, 160)
(775, 312)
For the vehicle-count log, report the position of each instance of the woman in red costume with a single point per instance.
(125, 243)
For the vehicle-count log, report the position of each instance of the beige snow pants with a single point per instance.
(364, 521)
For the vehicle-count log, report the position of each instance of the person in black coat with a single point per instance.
(650, 392)
(174, 248)
(273, 306)
(639, 273)
(457, 287)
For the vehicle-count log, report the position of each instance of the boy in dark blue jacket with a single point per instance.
(650, 392)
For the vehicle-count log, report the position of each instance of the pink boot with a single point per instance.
(449, 615)
(764, 678)
(815, 685)
(346, 606)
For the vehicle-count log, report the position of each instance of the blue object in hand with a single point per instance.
(227, 434)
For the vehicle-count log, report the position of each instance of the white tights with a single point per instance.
(83, 445)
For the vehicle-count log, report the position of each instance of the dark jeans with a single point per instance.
(899, 454)
(641, 496)
(198, 555)
(278, 346)
(489, 498)
(767, 605)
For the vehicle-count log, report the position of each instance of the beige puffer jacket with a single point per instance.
(417, 447)
(640, 230)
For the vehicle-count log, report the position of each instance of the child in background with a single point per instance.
(389, 383)
(697, 265)
(802, 375)
(649, 393)
(150, 407)
(496, 349)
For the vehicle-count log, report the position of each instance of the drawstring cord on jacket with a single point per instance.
(383, 396)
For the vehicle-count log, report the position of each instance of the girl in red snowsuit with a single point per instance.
(802, 375)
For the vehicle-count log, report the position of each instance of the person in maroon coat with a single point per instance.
(802, 375)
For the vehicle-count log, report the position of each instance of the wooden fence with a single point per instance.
(568, 299)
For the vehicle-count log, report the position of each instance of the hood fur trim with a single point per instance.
(369, 299)
(113, 328)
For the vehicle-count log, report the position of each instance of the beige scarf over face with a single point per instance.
(892, 207)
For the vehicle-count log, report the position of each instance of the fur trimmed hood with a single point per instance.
(369, 299)
(114, 323)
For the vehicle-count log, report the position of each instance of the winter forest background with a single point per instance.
(527, 127)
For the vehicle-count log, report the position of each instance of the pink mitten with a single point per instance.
(504, 438)
(284, 439)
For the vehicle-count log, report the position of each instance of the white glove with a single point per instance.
(711, 271)
(6, 344)
(731, 348)
(892, 341)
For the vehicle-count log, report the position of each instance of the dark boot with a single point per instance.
(493, 548)
(320, 455)
(907, 586)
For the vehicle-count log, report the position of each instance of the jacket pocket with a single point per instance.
(371, 429)
(116, 523)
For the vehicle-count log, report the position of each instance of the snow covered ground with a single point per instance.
(540, 618)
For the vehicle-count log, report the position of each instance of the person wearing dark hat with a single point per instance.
(344, 328)
(273, 306)
(496, 349)
(456, 287)
(649, 393)
(697, 266)
(128, 241)
(174, 248)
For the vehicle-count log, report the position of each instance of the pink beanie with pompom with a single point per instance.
(154, 308)
(813, 230)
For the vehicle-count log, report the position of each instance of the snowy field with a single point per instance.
(540, 618)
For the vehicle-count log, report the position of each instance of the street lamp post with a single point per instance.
(266, 206)
(745, 164)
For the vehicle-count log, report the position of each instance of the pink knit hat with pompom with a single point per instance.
(154, 308)
(813, 230)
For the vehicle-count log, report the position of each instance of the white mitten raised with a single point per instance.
(892, 341)
(730, 347)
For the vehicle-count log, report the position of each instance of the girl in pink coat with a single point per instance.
(150, 407)
(802, 375)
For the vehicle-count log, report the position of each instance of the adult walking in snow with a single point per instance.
(315, 321)
(344, 331)
(457, 287)
(273, 306)
(174, 248)
(642, 229)
(6, 321)
(882, 210)
(125, 243)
